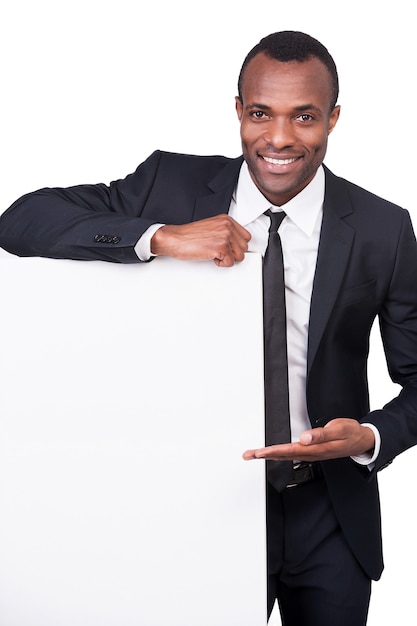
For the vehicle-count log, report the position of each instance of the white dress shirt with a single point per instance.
(300, 234)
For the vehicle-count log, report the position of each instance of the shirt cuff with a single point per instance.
(367, 458)
(143, 246)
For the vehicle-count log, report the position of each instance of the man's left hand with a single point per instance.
(341, 437)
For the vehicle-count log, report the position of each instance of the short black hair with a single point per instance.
(291, 45)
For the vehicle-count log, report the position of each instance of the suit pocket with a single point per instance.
(353, 295)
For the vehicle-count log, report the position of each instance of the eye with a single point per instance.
(258, 115)
(305, 117)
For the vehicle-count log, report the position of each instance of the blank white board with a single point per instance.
(128, 394)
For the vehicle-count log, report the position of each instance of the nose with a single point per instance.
(280, 133)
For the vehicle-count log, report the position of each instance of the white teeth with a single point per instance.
(278, 161)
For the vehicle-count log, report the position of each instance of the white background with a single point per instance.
(90, 88)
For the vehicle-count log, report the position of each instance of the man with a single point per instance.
(349, 256)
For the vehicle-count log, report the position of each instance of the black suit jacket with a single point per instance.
(366, 267)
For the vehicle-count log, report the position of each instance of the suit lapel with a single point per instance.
(336, 240)
(222, 187)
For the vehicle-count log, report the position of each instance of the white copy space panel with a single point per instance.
(128, 394)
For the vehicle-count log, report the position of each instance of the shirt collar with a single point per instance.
(303, 209)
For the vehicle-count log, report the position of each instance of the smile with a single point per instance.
(279, 161)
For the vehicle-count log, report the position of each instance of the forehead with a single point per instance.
(268, 81)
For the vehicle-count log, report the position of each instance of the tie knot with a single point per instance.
(276, 219)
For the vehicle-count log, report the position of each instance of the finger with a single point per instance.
(238, 247)
(225, 256)
(231, 251)
(235, 234)
(249, 455)
(258, 453)
(317, 435)
(240, 230)
(307, 438)
(334, 430)
(223, 239)
(237, 240)
(276, 452)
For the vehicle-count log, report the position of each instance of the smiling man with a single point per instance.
(348, 257)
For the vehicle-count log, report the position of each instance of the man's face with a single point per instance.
(285, 119)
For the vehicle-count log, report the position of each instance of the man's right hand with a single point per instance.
(220, 239)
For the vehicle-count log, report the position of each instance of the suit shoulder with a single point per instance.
(201, 158)
(178, 170)
(171, 171)
(361, 197)
(193, 162)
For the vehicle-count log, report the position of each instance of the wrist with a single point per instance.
(369, 457)
(157, 240)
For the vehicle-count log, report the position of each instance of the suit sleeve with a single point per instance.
(86, 222)
(397, 421)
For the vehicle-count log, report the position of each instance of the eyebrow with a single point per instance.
(300, 108)
(256, 105)
(307, 107)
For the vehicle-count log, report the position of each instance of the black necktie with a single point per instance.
(277, 419)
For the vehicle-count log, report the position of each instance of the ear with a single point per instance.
(239, 107)
(334, 116)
